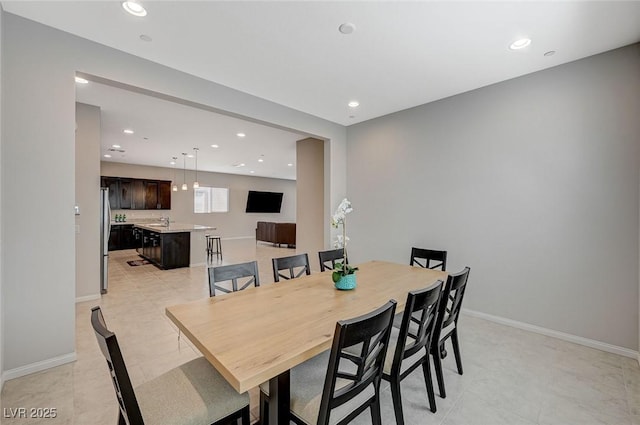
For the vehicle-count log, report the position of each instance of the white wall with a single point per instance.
(87, 198)
(532, 182)
(38, 134)
(233, 224)
(1, 222)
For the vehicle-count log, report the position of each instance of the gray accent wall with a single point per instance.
(532, 182)
(38, 166)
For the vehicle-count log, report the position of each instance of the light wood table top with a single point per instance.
(256, 334)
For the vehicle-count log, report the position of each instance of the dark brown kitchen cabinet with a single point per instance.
(151, 195)
(138, 194)
(114, 238)
(166, 250)
(113, 184)
(164, 195)
(122, 237)
(126, 194)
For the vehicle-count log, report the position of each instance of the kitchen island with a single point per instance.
(173, 246)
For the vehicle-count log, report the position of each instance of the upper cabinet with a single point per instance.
(138, 194)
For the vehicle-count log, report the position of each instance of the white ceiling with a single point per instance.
(164, 129)
(402, 54)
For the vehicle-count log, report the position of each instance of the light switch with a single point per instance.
(77, 210)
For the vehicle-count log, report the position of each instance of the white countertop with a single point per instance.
(173, 227)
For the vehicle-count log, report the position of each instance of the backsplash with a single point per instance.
(141, 215)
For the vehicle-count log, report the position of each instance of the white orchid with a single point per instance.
(340, 218)
(340, 241)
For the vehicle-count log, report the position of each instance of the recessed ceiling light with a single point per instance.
(242, 164)
(240, 134)
(189, 156)
(172, 163)
(107, 155)
(145, 37)
(134, 8)
(550, 53)
(215, 146)
(81, 80)
(354, 104)
(520, 44)
(289, 165)
(116, 146)
(252, 172)
(127, 131)
(347, 28)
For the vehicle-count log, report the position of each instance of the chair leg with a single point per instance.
(246, 416)
(376, 416)
(437, 364)
(397, 401)
(264, 409)
(121, 419)
(428, 380)
(456, 350)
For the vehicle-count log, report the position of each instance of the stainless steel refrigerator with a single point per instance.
(105, 231)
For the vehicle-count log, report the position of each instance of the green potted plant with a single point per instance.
(343, 274)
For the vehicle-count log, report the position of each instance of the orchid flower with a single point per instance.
(340, 218)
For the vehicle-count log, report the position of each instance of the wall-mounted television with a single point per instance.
(264, 202)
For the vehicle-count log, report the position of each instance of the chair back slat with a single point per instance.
(290, 264)
(418, 323)
(129, 408)
(451, 300)
(424, 257)
(329, 258)
(233, 272)
(367, 337)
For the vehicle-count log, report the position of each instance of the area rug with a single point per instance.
(134, 263)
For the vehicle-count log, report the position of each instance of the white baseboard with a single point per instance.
(38, 366)
(88, 298)
(592, 343)
(238, 237)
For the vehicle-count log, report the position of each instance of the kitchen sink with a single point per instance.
(156, 224)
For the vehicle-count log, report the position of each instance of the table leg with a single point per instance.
(279, 398)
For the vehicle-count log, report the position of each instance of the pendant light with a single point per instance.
(175, 185)
(195, 183)
(184, 173)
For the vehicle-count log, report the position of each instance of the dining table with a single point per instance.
(259, 334)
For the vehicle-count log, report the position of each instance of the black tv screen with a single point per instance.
(264, 202)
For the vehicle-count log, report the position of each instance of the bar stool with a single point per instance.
(214, 247)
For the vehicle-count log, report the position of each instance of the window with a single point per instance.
(210, 199)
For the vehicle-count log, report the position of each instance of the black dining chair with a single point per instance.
(337, 385)
(191, 394)
(447, 323)
(233, 273)
(295, 265)
(328, 258)
(409, 346)
(424, 257)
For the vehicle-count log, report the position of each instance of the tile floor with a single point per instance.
(510, 376)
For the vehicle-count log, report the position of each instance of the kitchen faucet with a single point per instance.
(164, 220)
